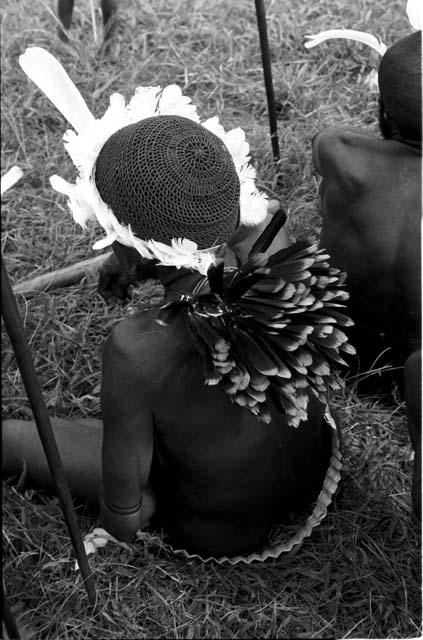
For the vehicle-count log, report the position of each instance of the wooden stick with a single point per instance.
(61, 277)
(267, 71)
(16, 331)
(8, 618)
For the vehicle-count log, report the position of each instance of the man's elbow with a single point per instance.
(122, 523)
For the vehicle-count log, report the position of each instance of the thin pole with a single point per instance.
(17, 336)
(8, 618)
(267, 71)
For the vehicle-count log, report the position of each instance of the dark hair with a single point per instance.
(400, 85)
(134, 266)
(387, 125)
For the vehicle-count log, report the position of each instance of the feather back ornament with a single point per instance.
(85, 142)
(271, 329)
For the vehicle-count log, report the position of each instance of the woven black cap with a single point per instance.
(169, 177)
(400, 84)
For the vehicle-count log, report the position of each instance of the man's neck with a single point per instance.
(184, 280)
(178, 280)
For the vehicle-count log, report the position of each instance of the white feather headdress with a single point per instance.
(89, 134)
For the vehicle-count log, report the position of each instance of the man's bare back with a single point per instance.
(221, 477)
(371, 202)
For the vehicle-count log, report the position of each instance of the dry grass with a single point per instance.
(358, 576)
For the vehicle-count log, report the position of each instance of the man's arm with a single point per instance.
(328, 152)
(128, 435)
(341, 154)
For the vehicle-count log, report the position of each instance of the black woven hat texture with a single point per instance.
(169, 177)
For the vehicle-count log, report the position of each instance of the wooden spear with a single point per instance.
(267, 71)
(8, 617)
(15, 329)
(61, 277)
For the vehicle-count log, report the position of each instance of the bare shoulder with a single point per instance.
(348, 155)
(333, 137)
(141, 345)
(336, 142)
(136, 332)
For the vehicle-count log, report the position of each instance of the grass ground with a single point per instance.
(358, 576)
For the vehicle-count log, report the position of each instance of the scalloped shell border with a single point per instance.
(281, 546)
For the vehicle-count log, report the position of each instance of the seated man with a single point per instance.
(371, 209)
(213, 403)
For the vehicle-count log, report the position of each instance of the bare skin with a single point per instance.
(371, 225)
(220, 477)
(371, 211)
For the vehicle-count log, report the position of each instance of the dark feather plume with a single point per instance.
(266, 238)
(271, 329)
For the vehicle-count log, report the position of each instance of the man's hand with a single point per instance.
(114, 281)
(124, 268)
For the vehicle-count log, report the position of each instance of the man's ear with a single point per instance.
(244, 237)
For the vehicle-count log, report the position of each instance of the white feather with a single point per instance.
(62, 186)
(414, 11)
(348, 34)
(10, 178)
(253, 207)
(49, 76)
